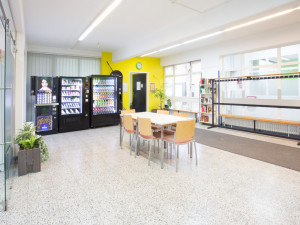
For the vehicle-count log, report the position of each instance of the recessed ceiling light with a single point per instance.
(227, 30)
(99, 19)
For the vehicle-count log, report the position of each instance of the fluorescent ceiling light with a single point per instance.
(203, 37)
(226, 30)
(261, 19)
(151, 53)
(100, 18)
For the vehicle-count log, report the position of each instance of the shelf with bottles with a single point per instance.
(69, 111)
(70, 105)
(66, 82)
(103, 102)
(103, 95)
(103, 89)
(70, 93)
(103, 81)
(71, 88)
(70, 99)
(104, 110)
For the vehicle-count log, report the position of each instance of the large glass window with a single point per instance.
(286, 91)
(182, 85)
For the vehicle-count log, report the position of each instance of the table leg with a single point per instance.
(162, 148)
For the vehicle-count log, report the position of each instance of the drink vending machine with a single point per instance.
(45, 90)
(106, 100)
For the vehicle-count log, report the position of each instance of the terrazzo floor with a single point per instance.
(90, 180)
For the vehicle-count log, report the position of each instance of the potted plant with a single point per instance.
(159, 93)
(169, 104)
(32, 150)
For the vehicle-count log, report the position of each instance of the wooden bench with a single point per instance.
(292, 122)
(288, 122)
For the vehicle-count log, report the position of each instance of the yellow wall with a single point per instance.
(151, 65)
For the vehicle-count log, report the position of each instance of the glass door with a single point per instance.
(2, 119)
(71, 96)
(7, 71)
(104, 95)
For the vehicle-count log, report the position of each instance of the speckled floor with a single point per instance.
(90, 180)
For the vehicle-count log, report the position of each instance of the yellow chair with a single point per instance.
(181, 114)
(159, 111)
(184, 134)
(129, 128)
(124, 112)
(146, 133)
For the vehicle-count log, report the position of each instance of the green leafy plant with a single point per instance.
(159, 93)
(27, 139)
(32, 142)
(169, 103)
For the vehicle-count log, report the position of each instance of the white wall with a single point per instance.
(211, 55)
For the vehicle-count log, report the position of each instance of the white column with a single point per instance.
(20, 82)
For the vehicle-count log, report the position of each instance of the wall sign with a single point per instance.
(125, 87)
(139, 65)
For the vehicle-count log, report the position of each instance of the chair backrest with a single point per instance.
(185, 129)
(181, 114)
(123, 112)
(144, 126)
(128, 123)
(159, 111)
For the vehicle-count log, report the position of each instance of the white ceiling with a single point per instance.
(136, 27)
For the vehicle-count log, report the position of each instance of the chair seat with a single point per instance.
(169, 131)
(155, 127)
(130, 131)
(170, 138)
(156, 135)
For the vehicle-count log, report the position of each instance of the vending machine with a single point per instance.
(106, 100)
(45, 90)
(74, 95)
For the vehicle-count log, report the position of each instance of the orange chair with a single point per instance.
(181, 114)
(146, 133)
(184, 134)
(160, 111)
(129, 128)
(124, 112)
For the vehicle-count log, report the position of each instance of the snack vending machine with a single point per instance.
(74, 103)
(45, 90)
(106, 100)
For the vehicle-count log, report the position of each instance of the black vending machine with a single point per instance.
(45, 90)
(106, 100)
(74, 95)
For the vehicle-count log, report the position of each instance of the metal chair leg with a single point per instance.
(149, 154)
(196, 153)
(188, 149)
(130, 143)
(122, 139)
(154, 146)
(177, 158)
(136, 143)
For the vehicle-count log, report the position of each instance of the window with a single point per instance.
(182, 85)
(270, 61)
